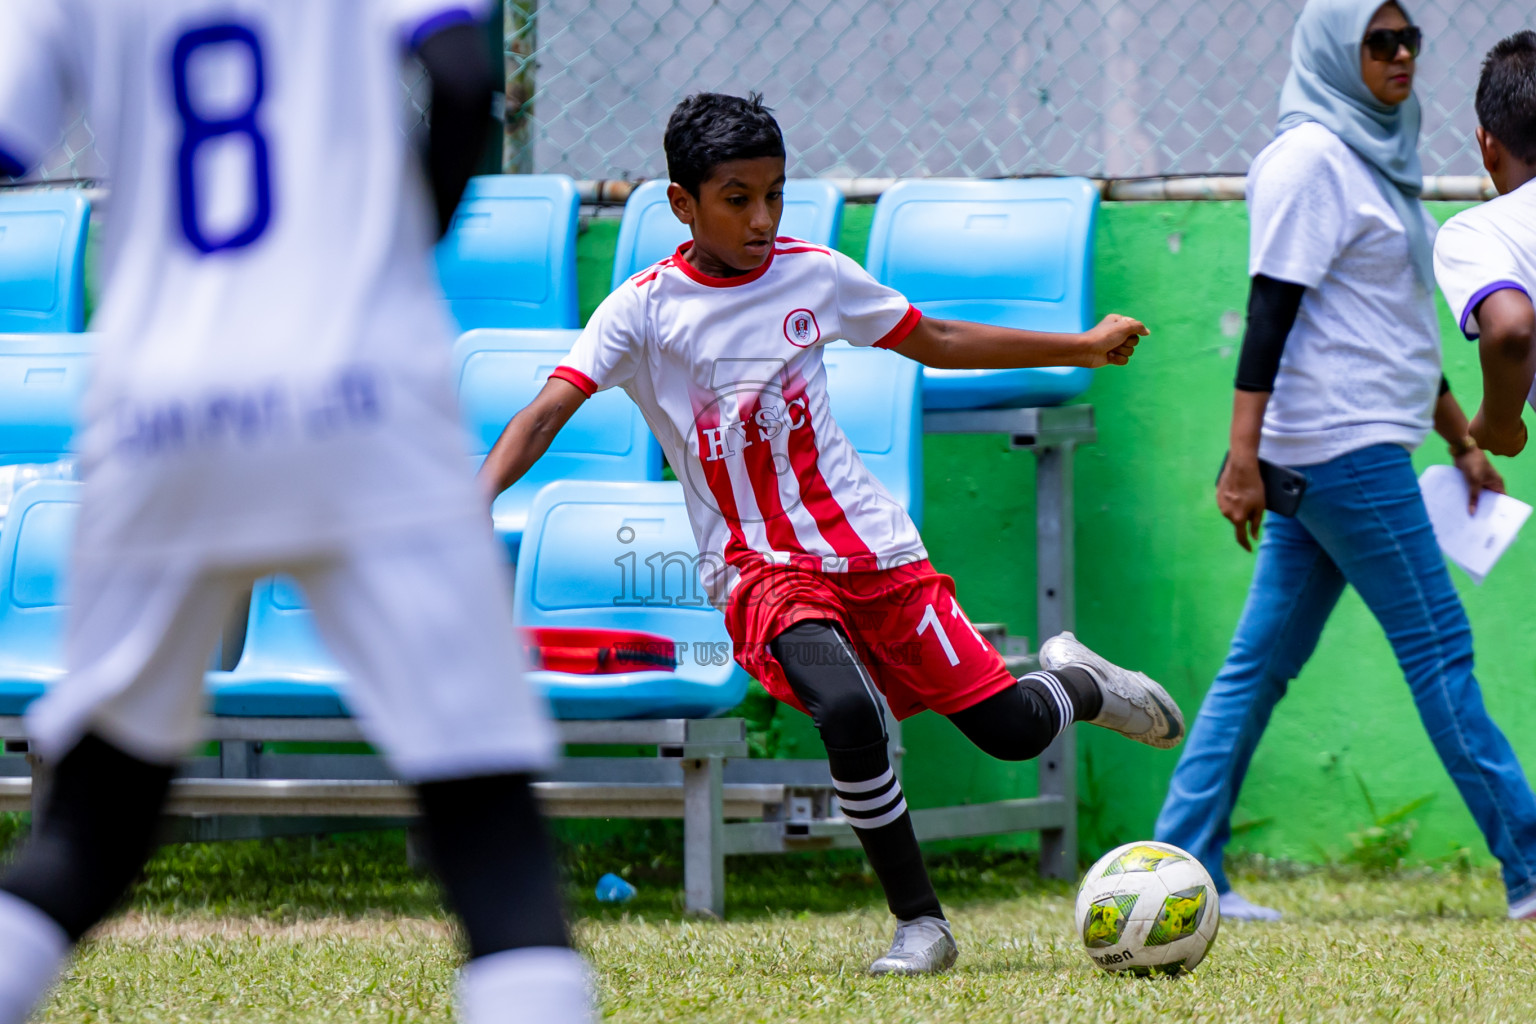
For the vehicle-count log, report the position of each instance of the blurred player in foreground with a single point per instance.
(1485, 257)
(272, 393)
(826, 586)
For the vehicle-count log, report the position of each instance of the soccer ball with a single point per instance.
(1147, 907)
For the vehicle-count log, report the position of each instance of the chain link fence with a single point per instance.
(973, 88)
(76, 160)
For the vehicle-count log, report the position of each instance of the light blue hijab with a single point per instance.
(1324, 85)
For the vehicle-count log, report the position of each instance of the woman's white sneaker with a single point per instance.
(1236, 908)
(1134, 705)
(924, 945)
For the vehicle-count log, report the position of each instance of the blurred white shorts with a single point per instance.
(421, 620)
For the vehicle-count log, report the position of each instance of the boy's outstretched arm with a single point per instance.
(528, 436)
(962, 345)
(1508, 326)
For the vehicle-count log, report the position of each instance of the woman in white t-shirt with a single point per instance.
(1338, 381)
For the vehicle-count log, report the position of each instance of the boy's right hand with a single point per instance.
(1112, 341)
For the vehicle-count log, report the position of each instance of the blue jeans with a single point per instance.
(1361, 522)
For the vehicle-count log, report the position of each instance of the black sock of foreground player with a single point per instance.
(96, 830)
(492, 852)
(825, 673)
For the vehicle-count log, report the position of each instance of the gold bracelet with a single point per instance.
(1462, 447)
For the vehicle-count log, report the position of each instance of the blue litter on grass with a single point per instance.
(613, 889)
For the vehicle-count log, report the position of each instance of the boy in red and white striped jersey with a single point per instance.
(820, 572)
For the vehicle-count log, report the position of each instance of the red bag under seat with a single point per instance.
(599, 651)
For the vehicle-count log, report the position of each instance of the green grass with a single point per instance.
(363, 874)
(341, 930)
(1423, 948)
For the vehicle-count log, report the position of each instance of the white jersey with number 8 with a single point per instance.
(273, 369)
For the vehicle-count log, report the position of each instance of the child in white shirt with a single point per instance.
(827, 590)
(1485, 257)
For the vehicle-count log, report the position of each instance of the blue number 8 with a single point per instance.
(197, 130)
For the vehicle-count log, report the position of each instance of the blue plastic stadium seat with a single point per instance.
(509, 259)
(1016, 253)
(499, 372)
(42, 261)
(877, 398)
(284, 669)
(34, 551)
(42, 377)
(607, 555)
(813, 211)
(571, 578)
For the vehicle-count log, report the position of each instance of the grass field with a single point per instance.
(342, 930)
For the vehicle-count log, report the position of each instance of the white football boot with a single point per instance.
(924, 945)
(1134, 706)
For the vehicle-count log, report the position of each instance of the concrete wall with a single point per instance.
(1161, 581)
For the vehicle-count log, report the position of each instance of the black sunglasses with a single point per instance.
(1384, 42)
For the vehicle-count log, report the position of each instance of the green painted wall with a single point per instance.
(1161, 581)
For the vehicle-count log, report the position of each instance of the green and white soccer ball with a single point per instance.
(1147, 907)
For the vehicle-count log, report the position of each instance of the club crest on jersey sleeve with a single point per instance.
(801, 329)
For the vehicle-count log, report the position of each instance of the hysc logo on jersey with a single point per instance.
(749, 422)
(801, 328)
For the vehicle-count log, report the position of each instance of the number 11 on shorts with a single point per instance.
(930, 620)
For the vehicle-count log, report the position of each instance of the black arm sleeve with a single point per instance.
(456, 61)
(1445, 385)
(1272, 308)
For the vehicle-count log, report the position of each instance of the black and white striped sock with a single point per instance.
(1071, 693)
(873, 803)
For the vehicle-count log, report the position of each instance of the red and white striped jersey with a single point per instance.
(729, 375)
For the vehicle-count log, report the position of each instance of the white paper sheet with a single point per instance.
(1473, 542)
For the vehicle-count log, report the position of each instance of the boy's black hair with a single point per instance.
(1506, 95)
(709, 128)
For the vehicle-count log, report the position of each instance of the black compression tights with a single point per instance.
(826, 675)
(1016, 724)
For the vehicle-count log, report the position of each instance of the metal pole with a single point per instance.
(1056, 611)
(704, 837)
(237, 759)
(520, 28)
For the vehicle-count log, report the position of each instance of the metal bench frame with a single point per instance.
(1053, 435)
(729, 805)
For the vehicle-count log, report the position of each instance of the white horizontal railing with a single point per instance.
(1221, 187)
(610, 192)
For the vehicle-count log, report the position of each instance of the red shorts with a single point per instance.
(904, 622)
